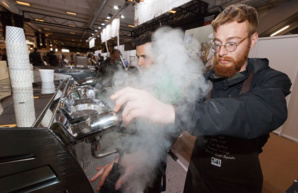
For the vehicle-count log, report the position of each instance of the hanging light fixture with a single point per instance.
(109, 16)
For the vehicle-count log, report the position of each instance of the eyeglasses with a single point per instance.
(229, 46)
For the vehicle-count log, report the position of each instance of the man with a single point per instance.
(145, 61)
(108, 68)
(52, 58)
(61, 61)
(246, 102)
(35, 58)
(143, 51)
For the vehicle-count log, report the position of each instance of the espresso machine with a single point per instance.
(73, 132)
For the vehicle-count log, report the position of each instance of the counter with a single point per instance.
(32, 156)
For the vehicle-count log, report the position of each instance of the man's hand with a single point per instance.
(103, 172)
(132, 163)
(139, 103)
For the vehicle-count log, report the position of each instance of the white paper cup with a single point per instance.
(48, 87)
(15, 34)
(20, 78)
(24, 107)
(46, 75)
(16, 48)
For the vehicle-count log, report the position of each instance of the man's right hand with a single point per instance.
(103, 172)
(140, 103)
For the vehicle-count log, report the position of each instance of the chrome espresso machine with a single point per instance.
(52, 141)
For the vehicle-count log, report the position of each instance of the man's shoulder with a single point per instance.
(261, 65)
(263, 73)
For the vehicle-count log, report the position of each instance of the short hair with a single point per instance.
(143, 39)
(115, 50)
(239, 13)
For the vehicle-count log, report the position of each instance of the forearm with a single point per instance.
(243, 117)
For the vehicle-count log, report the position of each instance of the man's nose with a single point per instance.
(140, 62)
(222, 51)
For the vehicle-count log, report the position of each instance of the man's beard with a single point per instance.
(229, 70)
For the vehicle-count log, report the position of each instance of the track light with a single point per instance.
(71, 13)
(282, 29)
(23, 3)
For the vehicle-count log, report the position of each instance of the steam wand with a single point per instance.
(101, 155)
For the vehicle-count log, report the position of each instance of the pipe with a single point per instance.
(100, 155)
(95, 17)
(123, 63)
(98, 12)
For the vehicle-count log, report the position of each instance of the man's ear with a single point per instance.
(254, 38)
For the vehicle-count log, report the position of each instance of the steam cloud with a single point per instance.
(171, 78)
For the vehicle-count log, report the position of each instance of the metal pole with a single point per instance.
(107, 48)
(118, 46)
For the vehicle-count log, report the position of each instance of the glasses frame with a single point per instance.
(225, 45)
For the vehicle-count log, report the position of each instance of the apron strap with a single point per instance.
(245, 86)
(247, 83)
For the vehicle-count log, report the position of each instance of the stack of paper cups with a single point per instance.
(47, 81)
(18, 58)
(24, 106)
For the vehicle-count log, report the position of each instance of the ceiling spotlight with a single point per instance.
(96, 30)
(116, 7)
(109, 16)
(41, 20)
(102, 24)
(98, 36)
(99, 27)
(122, 16)
(92, 33)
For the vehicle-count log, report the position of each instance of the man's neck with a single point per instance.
(243, 68)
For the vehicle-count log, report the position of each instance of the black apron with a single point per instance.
(225, 164)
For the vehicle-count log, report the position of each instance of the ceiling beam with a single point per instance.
(98, 12)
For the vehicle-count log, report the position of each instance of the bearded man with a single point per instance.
(246, 102)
